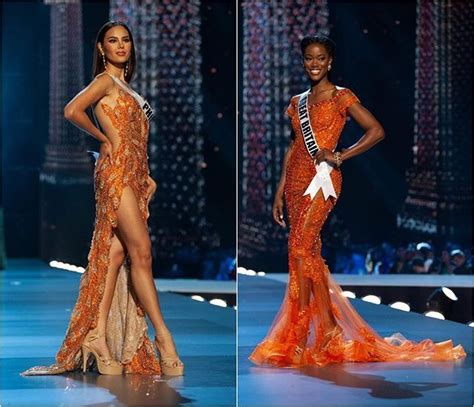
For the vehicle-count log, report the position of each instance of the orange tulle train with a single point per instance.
(333, 332)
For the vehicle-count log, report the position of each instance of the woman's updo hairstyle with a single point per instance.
(329, 44)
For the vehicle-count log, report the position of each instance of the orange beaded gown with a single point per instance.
(316, 324)
(126, 325)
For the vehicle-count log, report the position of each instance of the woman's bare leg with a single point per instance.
(134, 234)
(116, 258)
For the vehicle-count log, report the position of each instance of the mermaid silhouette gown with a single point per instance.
(126, 325)
(316, 324)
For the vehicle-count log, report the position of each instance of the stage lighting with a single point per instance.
(348, 294)
(218, 302)
(471, 324)
(247, 272)
(261, 273)
(241, 270)
(372, 299)
(449, 293)
(441, 300)
(402, 306)
(66, 266)
(434, 314)
(197, 298)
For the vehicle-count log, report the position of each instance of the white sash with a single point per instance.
(322, 179)
(144, 105)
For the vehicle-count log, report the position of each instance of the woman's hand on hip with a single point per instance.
(105, 152)
(324, 154)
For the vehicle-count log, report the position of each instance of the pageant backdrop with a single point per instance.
(185, 68)
(410, 63)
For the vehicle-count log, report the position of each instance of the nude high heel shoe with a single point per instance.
(106, 366)
(332, 334)
(169, 366)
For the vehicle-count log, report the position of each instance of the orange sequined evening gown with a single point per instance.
(316, 323)
(126, 325)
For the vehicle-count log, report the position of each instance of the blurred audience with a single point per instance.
(458, 259)
(414, 258)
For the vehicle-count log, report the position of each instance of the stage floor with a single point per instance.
(36, 303)
(351, 384)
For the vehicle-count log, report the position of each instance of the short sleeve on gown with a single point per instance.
(345, 99)
(291, 109)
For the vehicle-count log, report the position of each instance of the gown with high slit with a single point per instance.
(316, 324)
(126, 329)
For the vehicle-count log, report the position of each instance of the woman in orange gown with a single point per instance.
(316, 323)
(117, 288)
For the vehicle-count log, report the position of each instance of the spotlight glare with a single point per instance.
(197, 298)
(402, 306)
(251, 272)
(372, 299)
(449, 293)
(261, 273)
(348, 294)
(241, 270)
(434, 314)
(66, 266)
(218, 302)
(471, 324)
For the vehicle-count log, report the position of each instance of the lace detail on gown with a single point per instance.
(126, 325)
(316, 323)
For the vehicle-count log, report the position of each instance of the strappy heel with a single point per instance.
(169, 366)
(106, 366)
(298, 354)
(299, 349)
(329, 336)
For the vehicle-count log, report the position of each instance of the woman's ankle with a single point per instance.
(162, 332)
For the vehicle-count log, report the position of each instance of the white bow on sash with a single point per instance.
(322, 179)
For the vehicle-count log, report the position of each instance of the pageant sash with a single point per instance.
(144, 105)
(322, 179)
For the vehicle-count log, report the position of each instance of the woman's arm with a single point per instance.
(374, 133)
(278, 201)
(281, 183)
(75, 110)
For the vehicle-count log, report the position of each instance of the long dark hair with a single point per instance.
(97, 62)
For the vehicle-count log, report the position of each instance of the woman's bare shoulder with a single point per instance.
(102, 83)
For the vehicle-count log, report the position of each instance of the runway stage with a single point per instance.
(36, 303)
(351, 384)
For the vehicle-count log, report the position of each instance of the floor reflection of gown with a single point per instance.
(126, 325)
(316, 324)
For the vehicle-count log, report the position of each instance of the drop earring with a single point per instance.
(103, 60)
(329, 67)
(126, 69)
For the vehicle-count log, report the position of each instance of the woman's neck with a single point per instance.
(118, 72)
(322, 84)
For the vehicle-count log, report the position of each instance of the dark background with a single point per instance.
(25, 88)
(375, 58)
